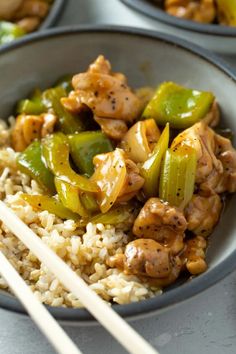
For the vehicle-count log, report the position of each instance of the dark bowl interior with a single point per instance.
(42, 58)
(155, 11)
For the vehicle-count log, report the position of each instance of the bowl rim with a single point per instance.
(151, 10)
(188, 289)
(53, 15)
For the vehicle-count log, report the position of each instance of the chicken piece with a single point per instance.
(105, 93)
(213, 117)
(147, 257)
(193, 256)
(145, 94)
(160, 221)
(31, 8)
(29, 128)
(203, 213)
(133, 182)
(113, 128)
(29, 24)
(216, 158)
(100, 66)
(148, 260)
(203, 11)
(49, 122)
(8, 8)
(201, 138)
(226, 154)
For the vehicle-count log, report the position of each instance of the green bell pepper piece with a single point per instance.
(30, 107)
(115, 216)
(180, 106)
(55, 152)
(70, 197)
(30, 162)
(51, 204)
(68, 123)
(33, 105)
(9, 32)
(227, 12)
(89, 202)
(150, 169)
(84, 146)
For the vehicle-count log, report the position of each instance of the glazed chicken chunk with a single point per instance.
(25, 13)
(212, 118)
(160, 221)
(194, 255)
(202, 214)
(30, 127)
(8, 8)
(149, 260)
(106, 94)
(216, 158)
(197, 10)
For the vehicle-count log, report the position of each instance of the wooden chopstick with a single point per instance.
(38, 312)
(119, 328)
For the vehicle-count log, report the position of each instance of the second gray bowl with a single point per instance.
(220, 39)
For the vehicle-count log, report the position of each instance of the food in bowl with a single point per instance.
(221, 12)
(19, 17)
(125, 186)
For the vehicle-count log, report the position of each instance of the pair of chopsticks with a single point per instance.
(119, 328)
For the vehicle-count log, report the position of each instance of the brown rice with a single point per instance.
(85, 251)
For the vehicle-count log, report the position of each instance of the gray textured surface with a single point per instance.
(205, 324)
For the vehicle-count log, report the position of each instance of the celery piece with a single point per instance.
(150, 169)
(178, 176)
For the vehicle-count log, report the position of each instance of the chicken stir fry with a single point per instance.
(20, 17)
(193, 257)
(147, 258)
(203, 213)
(29, 127)
(203, 11)
(160, 221)
(216, 158)
(101, 156)
(107, 95)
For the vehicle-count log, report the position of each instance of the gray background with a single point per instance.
(205, 324)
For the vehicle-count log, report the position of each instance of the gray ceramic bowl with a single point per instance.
(147, 58)
(53, 15)
(221, 39)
